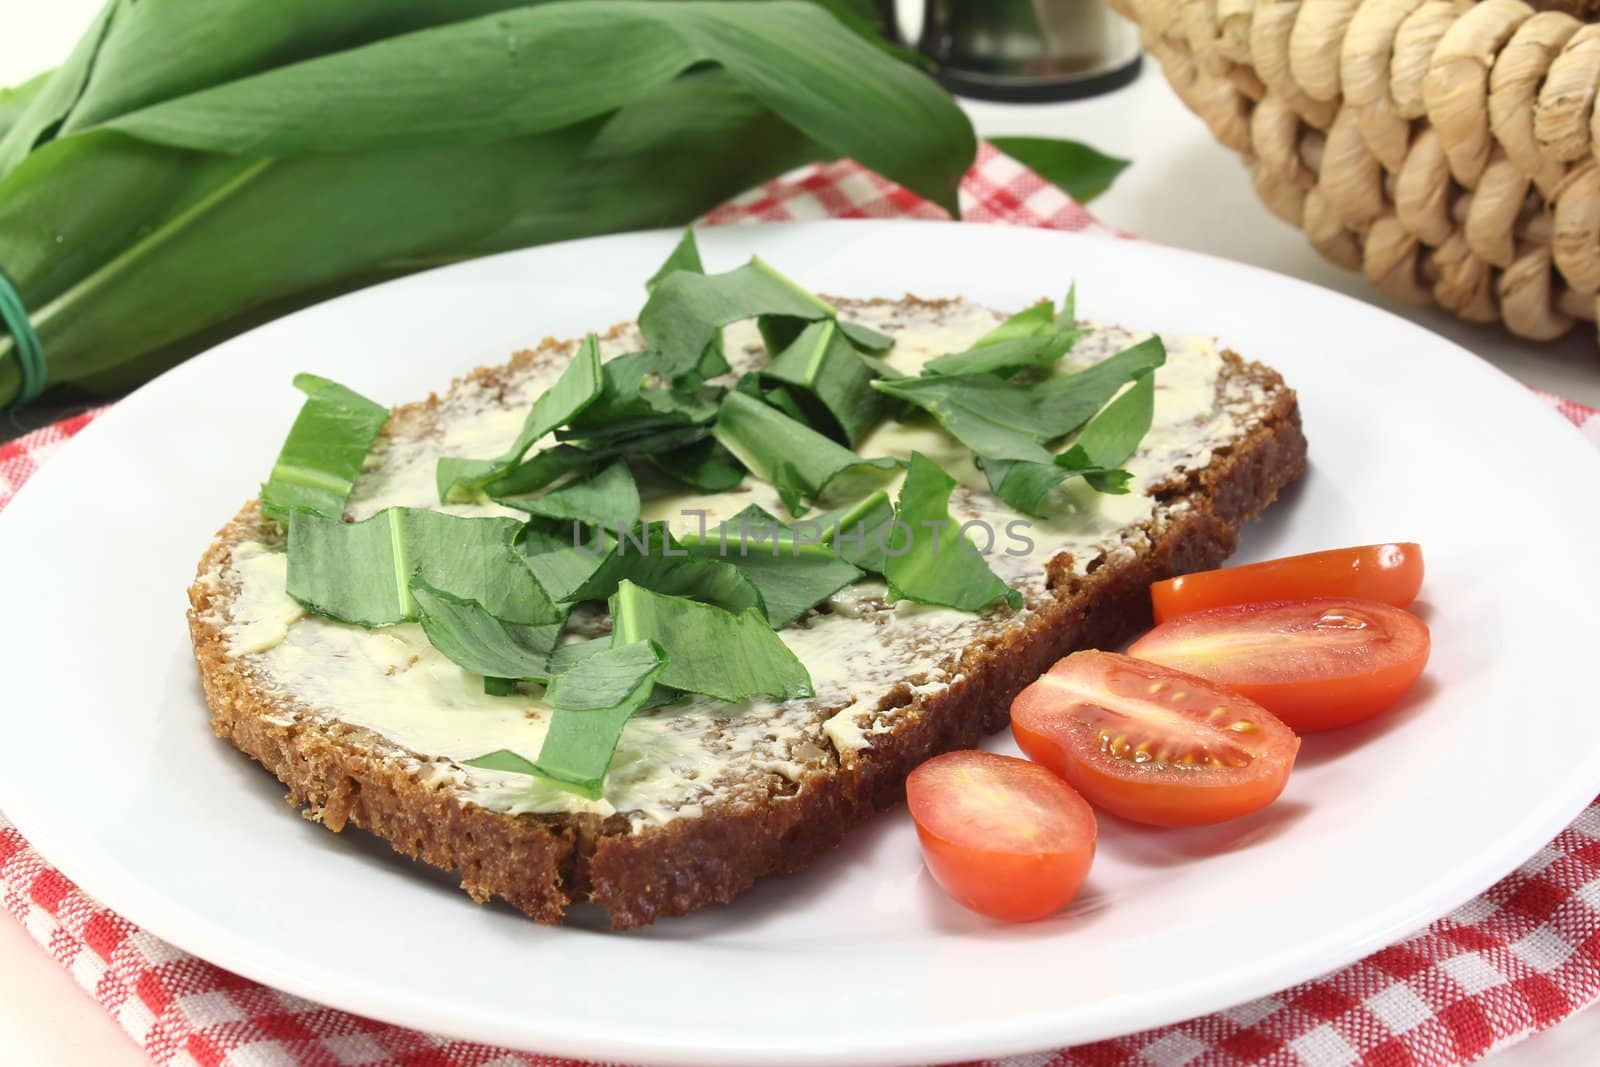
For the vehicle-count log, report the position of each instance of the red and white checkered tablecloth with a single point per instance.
(1520, 957)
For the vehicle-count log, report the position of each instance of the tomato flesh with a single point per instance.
(1316, 664)
(1388, 573)
(1002, 836)
(1152, 744)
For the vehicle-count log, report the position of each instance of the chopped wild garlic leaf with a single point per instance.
(827, 371)
(709, 650)
(1006, 357)
(991, 416)
(1006, 422)
(651, 558)
(685, 255)
(562, 556)
(1031, 321)
(799, 462)
(930, 560)
(537, 472)
(1112, 438)
(686, 312)
(324, 451)
(1106, 443)
(859, 532)
(578, 387)
(475, 640)
(360, 572)
(608, 497)
(705, 466)
(633, 400)
(790, 565)
(591, 703)
(866, 338)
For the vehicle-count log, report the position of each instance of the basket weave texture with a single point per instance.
(1444, 148)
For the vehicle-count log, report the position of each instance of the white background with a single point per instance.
(1183, 189)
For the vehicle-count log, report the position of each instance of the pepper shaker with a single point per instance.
(1025, 51)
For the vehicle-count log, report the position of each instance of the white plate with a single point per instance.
(112, 774)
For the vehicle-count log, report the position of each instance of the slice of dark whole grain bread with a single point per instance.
(343, 774)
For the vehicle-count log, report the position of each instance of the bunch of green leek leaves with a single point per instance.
(193, 168)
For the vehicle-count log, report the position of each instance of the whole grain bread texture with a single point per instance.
(343, 775)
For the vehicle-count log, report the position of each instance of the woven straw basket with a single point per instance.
(1445, 148)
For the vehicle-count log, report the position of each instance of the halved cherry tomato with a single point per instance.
(1316, 664)
(1153, 744)
(1003, 836)
(1389, 574)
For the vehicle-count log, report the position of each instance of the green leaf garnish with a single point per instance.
(704, 465)
(859, 533)
(865, 337)
(592, 701)
(1118, 429)
(643, 444)
(1076, 397)
(685, 255)
(651, 558)
(633, 400)
(800, 462)
(1032, 321)
(1002, 420)
(1024, 485)
(993, 417)
(826, 369)
(324, 452)
(360, 572)
(571, 653)
(577, 388)
(1112, 438)
(790, 565)
(686, 311)
(709, 650)
(929, 559)
(562, 559)
(537, 472)
(503, 759)
(782, 399)
(470, 637)
(1006, 356)
(1096, 455)
(608, 497)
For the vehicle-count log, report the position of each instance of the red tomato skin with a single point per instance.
(1330, 700)
(1328, 703)
(1146, 794)
(984, 875)
(1152, 801)
(1011, 888)
(1389, 573)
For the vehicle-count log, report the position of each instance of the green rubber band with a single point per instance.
(30, 353)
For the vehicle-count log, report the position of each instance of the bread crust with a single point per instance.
(343, 775)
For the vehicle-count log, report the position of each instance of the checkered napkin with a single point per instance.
(1524, 955)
